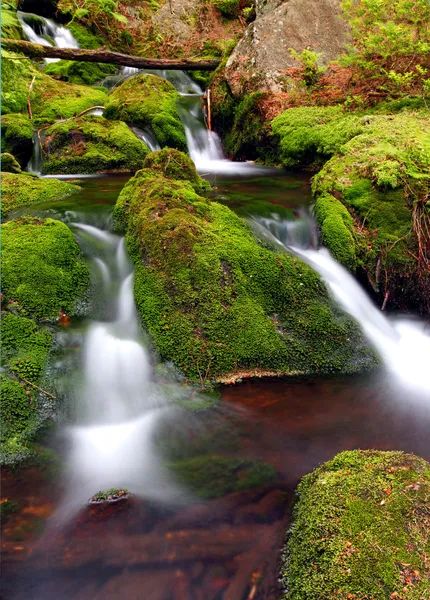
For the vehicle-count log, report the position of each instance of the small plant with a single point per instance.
(309, 63)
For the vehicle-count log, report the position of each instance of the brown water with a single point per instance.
(226, 548)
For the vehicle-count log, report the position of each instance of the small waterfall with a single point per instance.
(35, 163)
(111, 444)
(147, 136)
(40, 30)
(403, 344)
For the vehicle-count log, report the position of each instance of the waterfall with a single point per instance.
(40, 30)
(147, 136)
(35, 163)
(403, 344)
(111, 443)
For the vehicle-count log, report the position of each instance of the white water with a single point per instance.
(147, 136)
(111, 444)
(62, 37)
(404, 345)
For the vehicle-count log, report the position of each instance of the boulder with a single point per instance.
(9, 164)
(262, 56)
(17, 136)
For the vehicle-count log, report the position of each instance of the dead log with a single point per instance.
(108, 57)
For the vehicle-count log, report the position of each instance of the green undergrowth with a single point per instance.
(17, 136)
(215, 300)
(215, 476)
(10, 25)
(50, 99)
(80, 72)
(42, 274)
(360, 530)
(148, 101)
(24, 189)
(9, 164)
(92, 144)
(42, 270)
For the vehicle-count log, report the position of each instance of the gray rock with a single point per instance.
(264, 6)
(260, 59)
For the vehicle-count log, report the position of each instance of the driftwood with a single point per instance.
(106, 56)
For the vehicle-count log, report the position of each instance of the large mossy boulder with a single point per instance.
(24, 189)
(360, 530)
(42, 274)
(9, 164)
(50, 99)
(10, 25)
(372, 195)
(148, 101)
(17, 136)
(91, 144)
(215, 300)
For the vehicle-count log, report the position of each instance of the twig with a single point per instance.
(30, 114)
(384, 304)
(209, 109)
(38, 388)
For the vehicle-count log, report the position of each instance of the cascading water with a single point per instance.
(148, 137)
(404, 345)
(40, 30)
(120, 406)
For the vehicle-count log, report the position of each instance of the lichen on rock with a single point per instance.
(360, 529)
(148, 101)
(215, 300)
(91, 144)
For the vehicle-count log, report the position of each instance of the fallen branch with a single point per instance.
(107, 57)
(30, 114)
(38, 388)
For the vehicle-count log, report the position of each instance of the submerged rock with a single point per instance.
(148, 101)
(360, 529)
(371, 196)
(24, 189)
(91, 144)
(260, 59)
(215, 300)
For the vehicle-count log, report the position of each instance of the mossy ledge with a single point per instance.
(148, 101)
(214, 299)
(92, 144)
(24, 189)
(371, 193)
(43, 273)
(360, 529)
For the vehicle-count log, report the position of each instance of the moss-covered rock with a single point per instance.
(91, 145)
(172, 164)
(50, 99)
(361, 530)
(17, 136)
(9, 164)
(79, 72)
(215, 300)
(24, 189)
(10, 25)
(216, 476)
(148, 101)
(42, 270)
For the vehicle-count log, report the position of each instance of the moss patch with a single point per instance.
(24, 189)
(17, 137)
(92, 144)
(361, 524)
(79, 72)
(45, 248)
(9, 164)
(172, 164)
(10, 25)
(215, 300)
(148, 101)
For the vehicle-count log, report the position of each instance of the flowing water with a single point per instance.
(46, 32)
(125, 419)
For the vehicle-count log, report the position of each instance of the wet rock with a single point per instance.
(271, 508)
(138, 584)
(260, 59)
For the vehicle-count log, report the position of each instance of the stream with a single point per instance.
(126, 419)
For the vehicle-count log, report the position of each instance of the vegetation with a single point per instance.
(9, 164)
(91, 144)
(148, 101)
(215, 300)
(17, 137)
(45, 247)
(25, 189)
(360, 529)
(80, 72)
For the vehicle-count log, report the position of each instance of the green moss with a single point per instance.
(360, 529)
(24, 189)
(215, 300)
(9, 163)
(382, 177)
(336, 229)
(50, 99)
(10, 25)
(46, 248)
(148, 101)
(17, 136)
(92, 144)
(172, 164)
(215, 476)
(228, 8)
(79, 72)
(86, 39)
